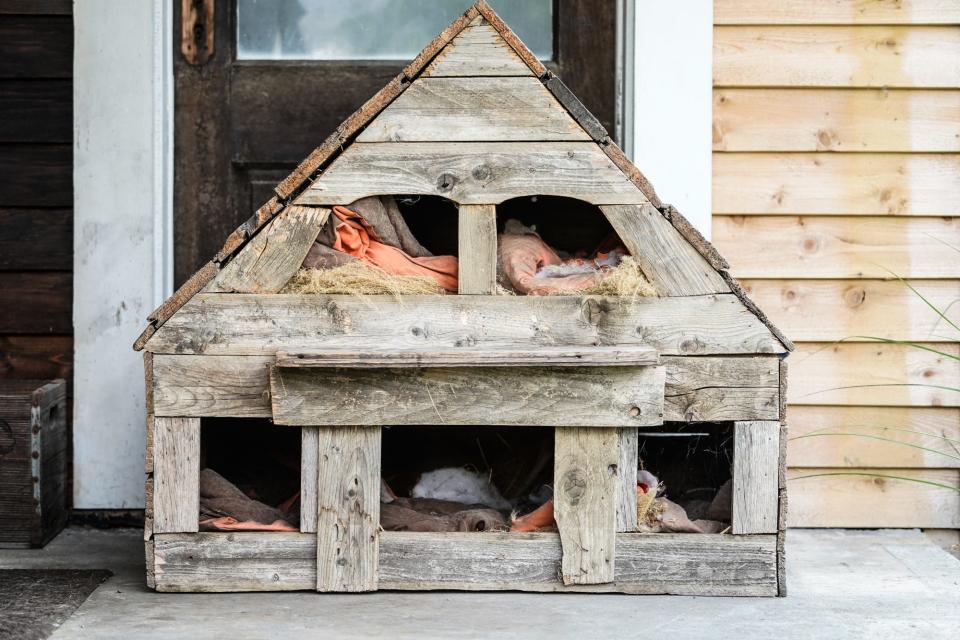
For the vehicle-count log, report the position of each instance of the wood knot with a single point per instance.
(482, 172)
(854, 296)
(573, 486)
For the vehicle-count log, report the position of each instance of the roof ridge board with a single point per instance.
(300, 177)
(751, 306)
(693, 236)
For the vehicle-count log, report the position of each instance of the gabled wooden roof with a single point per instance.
(386, 117)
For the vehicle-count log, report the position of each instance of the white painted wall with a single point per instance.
(672, 130)
(122, 270)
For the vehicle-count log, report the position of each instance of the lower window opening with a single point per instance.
(684, 478)
(249, 476)
(464, 478)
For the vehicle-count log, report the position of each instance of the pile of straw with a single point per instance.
(360, 278)
(626, 280)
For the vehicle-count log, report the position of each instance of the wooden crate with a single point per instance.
(33, 461)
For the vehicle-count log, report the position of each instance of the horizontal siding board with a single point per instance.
(36, 302)
(836, 12)
(866, 501)
(827, 310)
(839, 247)
(836, 56)
(836, 184)
(847, 120)
(36, 357)
(36, 239)
(36, 111)
(36, 175)
(36, 46)
(819, 437)
(876, 374)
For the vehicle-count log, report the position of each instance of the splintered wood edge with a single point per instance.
(569, 101)
(738, 291)
(172, 304)
(248, 229)
(511, 38)
(630, 170)
(342, 135)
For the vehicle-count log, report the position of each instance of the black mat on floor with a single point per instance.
(34, 602)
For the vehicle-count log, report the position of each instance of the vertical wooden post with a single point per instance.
(176, 488)
(478, 249)
(348, 508)
(585, 478)
(627, 480)
(308, 479)
(756, 465)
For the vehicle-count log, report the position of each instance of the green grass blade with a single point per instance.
(877, 475)
(910, 343)
(881, 438)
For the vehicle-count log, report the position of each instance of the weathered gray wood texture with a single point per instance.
(273, 256)
(713, 389)
(309, 441)
(176, 491)
(585, 502)
(682, 564)
(756, 464)
(477, 51)
(671, 264)
(473, 173)
(627, 479)
(477, 254)
(596, 396)
(224, 562)
(696, 390)
(220, 324)
(540, 356)
(206, 386)
(348, 508)
(474, 110)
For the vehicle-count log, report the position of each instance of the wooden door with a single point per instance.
(242, 124)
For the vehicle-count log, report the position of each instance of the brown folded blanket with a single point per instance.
(425, 514)
(220, 500)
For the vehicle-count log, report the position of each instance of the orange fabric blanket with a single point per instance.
(358, 238)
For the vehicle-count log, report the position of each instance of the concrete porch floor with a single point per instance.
(842, 584)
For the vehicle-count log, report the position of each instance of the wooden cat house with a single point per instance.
(477, 120)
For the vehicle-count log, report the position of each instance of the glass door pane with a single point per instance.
(370, 29)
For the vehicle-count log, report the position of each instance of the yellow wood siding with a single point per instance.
(836, 136)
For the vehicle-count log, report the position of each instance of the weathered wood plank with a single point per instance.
(223, 324)
(309, 470)
(577, 110)
(176, 496)
(475, 173)
(713, 389)
(473, 110)
(225, 562)
(673, 266)
(348, 508)
(679, 564)
(917, 184)
(828, 310)
(756, 461)
(477, 249)
(873, 437)
(867, 120)
(627, 480)
(207, 386)
(477, 51)
(585, 502)
(837, 56)
(528, 57)
(595, 396)
(540, 356)
(836, 12)
(273, 256)
(867, 498)
(874, 374)
(700, 389)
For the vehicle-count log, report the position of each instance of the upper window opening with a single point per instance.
(387, 245)
(371, 30)
(551, 245)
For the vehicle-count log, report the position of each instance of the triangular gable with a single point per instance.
(431, 103)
